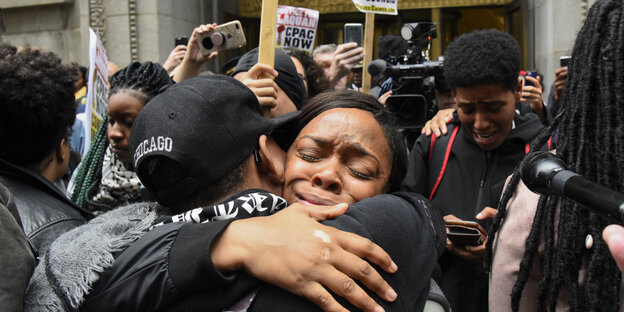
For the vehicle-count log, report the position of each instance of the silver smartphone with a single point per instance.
(353, 33)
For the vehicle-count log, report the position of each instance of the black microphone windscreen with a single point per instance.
(377, 67)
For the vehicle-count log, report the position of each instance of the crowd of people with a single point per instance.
(285, 188)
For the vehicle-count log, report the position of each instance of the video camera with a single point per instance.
(412, 77)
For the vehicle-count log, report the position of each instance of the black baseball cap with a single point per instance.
(208, 125)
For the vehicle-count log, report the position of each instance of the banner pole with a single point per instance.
(266, 48)
(369, 34)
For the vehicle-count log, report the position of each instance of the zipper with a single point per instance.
(488, 158)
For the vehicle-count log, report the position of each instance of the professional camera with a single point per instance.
(412, 77)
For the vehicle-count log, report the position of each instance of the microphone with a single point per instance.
(377, 67)
(546, 174)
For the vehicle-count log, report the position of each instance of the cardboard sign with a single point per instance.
(388, 7)
(296, 27)
(97, 91)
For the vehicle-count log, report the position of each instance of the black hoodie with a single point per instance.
(473, 179)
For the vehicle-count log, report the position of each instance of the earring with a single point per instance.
(257, 155)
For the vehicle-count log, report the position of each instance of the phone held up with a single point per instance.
(532, 73)
(465, 233)
(181, 40)
(564, 61)
(353, 33)
(223, 37)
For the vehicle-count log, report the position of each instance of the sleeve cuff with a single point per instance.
(190, 263)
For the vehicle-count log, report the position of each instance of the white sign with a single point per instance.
(97, 90)
(296, 27)
(377, 6)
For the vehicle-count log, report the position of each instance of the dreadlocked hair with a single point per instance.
(590, 139)
(141, 80)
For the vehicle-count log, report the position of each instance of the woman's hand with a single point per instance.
(437, 124)
(194, 59)
(292, 250)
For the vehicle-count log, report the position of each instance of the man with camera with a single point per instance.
(463, 173)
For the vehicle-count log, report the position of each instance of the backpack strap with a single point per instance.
(445, 162)
(527, 147)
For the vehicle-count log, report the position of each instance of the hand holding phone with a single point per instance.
(181, 40)
(564, 61)
(465, 233)
(530, 73)
(223, 37)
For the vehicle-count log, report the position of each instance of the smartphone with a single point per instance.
(223, 37)
(353, 33)
(181, 40)
(533, 74)
(464, 233)
(564, 61)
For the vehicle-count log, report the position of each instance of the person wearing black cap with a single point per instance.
(187, 266)
(281, 88)
(176, 144)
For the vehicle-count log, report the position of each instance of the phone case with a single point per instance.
(464, 233)
(353, 33)
(224, 37)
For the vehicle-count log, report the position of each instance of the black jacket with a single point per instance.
(170, 268)
(474, 178)
(16, 257)
(44, 210)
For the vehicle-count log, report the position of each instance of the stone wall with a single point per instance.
(130, 29)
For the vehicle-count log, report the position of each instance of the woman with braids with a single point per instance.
(105, 179)
(548, 253)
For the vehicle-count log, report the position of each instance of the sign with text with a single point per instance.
(388, 7)
(296, 27)
(97, 90)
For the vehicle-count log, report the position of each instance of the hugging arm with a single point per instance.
(403, 224)
(174, 263)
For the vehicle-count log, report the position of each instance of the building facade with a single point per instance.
(144, 30)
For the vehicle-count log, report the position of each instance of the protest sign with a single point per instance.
(296, 27)
(388, 7)
(97, 90)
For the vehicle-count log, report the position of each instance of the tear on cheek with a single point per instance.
(323, 236)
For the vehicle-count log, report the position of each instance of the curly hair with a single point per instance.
(141, 80)
(37, 106)
(350, 99)
(315, 76)
(466, 63)
(590, 139)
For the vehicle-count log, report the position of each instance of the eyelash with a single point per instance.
(360, 175)
(355, 173)
(308, 158)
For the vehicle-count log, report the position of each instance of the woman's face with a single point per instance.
(341, 156)
(123, 108)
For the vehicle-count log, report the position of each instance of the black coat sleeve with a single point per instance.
(416, 178)
(406, 227)
(166, 264)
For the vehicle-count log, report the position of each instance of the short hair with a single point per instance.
(482, 57)
(325, 48)
(351, 99)
(159, 172)
(38, 106)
